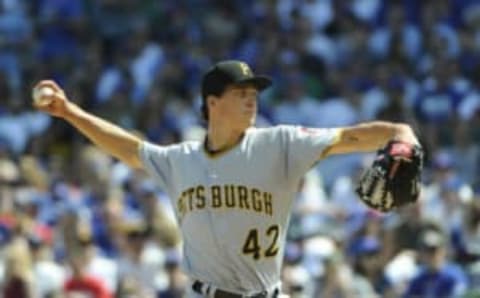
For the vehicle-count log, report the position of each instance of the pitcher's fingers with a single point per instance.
(43, 107)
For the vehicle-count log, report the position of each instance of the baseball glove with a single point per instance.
(393, 180)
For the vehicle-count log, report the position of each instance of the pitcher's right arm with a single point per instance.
(110, 138)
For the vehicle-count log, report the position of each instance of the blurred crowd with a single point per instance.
(74, 221)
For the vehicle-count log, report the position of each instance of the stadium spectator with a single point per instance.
(437, 277)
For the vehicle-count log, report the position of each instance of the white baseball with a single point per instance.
(41, 96)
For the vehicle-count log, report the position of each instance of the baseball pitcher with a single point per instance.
(233, 191)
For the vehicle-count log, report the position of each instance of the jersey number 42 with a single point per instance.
(252, 243)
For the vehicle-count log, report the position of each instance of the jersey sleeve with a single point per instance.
(157, 163)
(306, 146)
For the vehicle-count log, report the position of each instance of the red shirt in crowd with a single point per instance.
(87, 285)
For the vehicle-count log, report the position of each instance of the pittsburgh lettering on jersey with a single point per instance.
(225, 196)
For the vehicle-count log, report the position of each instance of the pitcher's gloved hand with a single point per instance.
(393, 180)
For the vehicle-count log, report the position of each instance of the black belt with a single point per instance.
(198, 286)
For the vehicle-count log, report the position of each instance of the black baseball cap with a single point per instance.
(229, 72)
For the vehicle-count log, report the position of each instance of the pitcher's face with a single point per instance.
(238, 104)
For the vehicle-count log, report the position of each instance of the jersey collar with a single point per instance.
(217, 153)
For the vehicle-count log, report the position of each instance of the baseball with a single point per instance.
(41, 96)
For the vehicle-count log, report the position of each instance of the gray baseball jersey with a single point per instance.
(233, 208)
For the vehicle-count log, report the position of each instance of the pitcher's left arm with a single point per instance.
(370, 136)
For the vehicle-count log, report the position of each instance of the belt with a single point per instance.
(199, 286)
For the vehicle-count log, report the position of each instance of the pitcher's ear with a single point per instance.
(211, 100)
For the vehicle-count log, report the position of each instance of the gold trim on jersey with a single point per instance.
(336, 139)
(225, 197)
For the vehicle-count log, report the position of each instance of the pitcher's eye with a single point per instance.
(249, 93)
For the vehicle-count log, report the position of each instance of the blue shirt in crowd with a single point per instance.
(448, 282)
